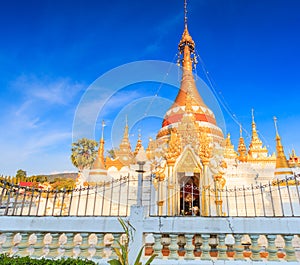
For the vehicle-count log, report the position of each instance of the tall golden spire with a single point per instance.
(124, 152)
(242, 150)
(255, 141)
(99, 162)
(186, 45)
(257, 152)
(125, 144)
(254, 132)
(185, 13)
(282, 167)
(138, 144)
(187, 59)
(188, 98)
(229, 148)
(126, 133)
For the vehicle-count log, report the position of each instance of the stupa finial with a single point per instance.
(185, 13)
(275, 124)
(102, 133)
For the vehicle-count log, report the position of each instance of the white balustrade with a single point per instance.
(195, 240)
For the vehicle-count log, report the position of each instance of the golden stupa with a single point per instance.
(190, 148)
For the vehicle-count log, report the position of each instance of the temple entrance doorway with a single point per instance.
(189, 194)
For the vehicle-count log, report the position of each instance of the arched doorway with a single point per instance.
(188, 170)
(189, 194)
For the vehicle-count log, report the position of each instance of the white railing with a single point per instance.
(175, 240)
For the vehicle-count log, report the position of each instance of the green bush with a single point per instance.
(6, 260)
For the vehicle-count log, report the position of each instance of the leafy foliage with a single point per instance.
(63, 183)
(40, 178)
(84, 153)
(124, 249)
(6, 260)
(21, 174)
(111, 153)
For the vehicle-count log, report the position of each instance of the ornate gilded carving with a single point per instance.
(159, 171)
(294, 160)
(205, 148)
(174, 149)
(150, 151)
(188, 162)
(188, 129)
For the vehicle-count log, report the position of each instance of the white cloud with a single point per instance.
(51, 139)
(35, 152)
(37, 124)
(99, 107)
(51, 91)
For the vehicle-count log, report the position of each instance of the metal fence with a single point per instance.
(277, 198)
(110, 198)
(114, 198)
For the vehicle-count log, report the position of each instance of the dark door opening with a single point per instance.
(189, 196)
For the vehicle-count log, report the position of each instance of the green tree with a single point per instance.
(61, 183)
(111, 153)
(41, 178)
(84, 153)
(21, 174)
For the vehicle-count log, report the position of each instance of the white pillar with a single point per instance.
(136, 243)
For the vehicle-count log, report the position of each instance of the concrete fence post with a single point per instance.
(136, 220)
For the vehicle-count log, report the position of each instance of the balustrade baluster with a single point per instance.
(238, 247)
(157, 246)
(99, 246)
(272, 250)
(289, 249)
(198, 244)
(69, 245)
(84, 246)
(255, 247)
(23, 245)
(173, 247)
(114, 245)
(205, 247)
(189, 255)
(222, 247)
(53, 246)
(8, 244)
(38, 246)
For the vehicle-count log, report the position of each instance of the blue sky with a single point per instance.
(52, 51)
